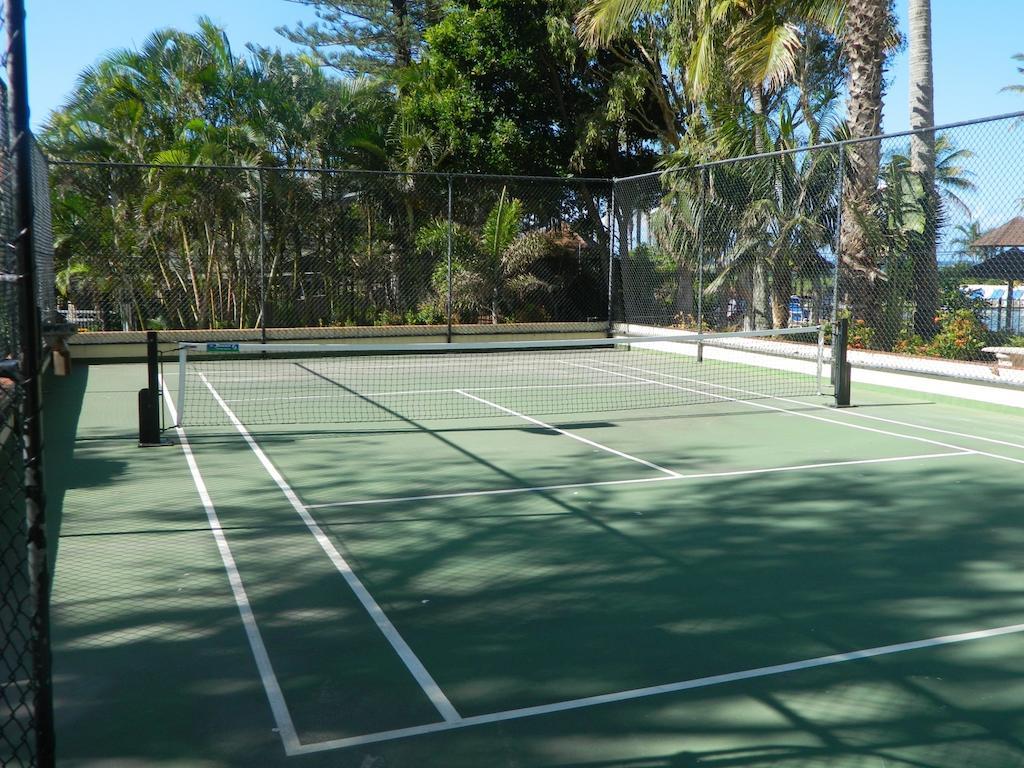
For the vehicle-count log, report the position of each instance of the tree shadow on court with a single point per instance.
(781, 570)
(537, 598)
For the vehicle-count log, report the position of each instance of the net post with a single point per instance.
(840, 366)
(149, 398)
(611, 262)
(182, 364)
(448, 292)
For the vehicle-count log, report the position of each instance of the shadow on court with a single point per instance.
(534, 599)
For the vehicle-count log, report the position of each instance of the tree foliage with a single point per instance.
(365, 37)
(591, 87)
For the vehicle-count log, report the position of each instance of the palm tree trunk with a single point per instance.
(782, 289)
(683, 304)
(866, 25)
(922, 162)
(761, 299)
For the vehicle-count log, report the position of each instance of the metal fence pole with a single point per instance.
(31, 346)
(261, 256)
(701, 194)
(840, 173)
(448, 294)
(611, 261)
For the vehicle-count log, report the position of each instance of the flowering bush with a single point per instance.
(960, 337)
(861, 335)
(910, 344)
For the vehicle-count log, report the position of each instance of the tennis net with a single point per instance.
(343, 383)
(261, 384)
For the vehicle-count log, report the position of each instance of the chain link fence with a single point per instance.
(148, 247)
(931, 267)
(732, 246)
(42, 243)
(26, 734)
(17, 684)
(937, 255)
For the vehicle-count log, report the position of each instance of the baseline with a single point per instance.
(657, 690)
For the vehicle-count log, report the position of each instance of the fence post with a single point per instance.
(31, 345)
(448, 293)
(840, 172)
(611, 262)
(260, 256)
(701, 194)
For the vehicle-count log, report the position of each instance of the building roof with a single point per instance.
(1010, 235)
(1006, 265)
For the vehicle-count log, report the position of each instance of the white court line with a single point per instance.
(636, 481)
(901, 435)
(278, 707)
(657, 690)
(569, 434)
(449, 391)
(910, 424)
(412, 662)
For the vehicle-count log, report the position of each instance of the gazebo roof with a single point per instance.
(565, 237)
(1007, 265)
(1009, 235)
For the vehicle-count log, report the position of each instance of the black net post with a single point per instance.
(840, 366)
(149, 398)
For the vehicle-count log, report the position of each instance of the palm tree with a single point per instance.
(963, 240)
(489, 266)
(866, 29)
(1017, 88)
(922, 162)
(909, 220)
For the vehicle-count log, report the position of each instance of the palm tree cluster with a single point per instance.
(201, 188)
(181, 198)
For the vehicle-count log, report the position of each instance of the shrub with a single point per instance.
(960, 337)
(910, 344)
(861, 335)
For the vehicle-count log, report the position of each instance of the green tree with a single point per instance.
(186, 239)
(741, 60)
(366, 37)
(964, 238)
(492, 268)
(504, 86)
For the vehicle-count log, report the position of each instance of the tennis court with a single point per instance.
(595, 556)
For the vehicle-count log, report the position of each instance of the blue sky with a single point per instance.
(973, 42)
(65, 36)
(972, 45)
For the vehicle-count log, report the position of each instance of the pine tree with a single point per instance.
(365, 37)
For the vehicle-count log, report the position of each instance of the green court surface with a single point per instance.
(751, 581)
